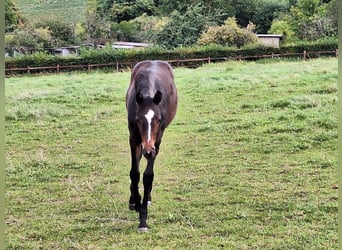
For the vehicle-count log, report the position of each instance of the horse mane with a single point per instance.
(146, 63)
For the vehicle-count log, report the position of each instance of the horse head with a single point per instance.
(148, 120)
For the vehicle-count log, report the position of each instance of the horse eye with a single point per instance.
(138, 121)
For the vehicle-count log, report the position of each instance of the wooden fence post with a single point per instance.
(28, 69)
(117, 66)
(304, 55)
(57, 68)
(88, 67)
(209, 59)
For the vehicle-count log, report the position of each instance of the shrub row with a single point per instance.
(109, 55)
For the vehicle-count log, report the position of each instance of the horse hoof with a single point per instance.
(131, 206)
(143, 229)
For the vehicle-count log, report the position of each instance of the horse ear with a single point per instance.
(139, 98)
(157, 97)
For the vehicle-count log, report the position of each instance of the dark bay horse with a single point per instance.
(151, 102)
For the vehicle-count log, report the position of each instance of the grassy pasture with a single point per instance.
(68, 11)
(248, 163)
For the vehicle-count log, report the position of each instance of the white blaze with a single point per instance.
(149, 117)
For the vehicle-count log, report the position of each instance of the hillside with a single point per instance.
(68, 10)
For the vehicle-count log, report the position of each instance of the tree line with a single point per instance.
(176, 23)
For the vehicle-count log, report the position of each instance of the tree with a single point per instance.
(260, 12)
(143, 28)
(97, 29)
(266, 11)
(310, 21)
(12, 18)
(102, 7)
(27, 39)
(331, 18)
(217, 10)
(125, 31)
(283, 28)
(244, 11)
(62, 33)
(124, 10)
(182, 30)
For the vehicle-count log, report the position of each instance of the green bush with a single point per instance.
(228, 34)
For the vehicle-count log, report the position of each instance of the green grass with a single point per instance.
(248, 163)
(68, 11)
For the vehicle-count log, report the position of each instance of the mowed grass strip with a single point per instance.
(248, 163)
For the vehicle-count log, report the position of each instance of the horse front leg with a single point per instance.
(148, 181)
(135, 198)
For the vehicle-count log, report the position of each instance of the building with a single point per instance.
(271, 40)
(129, 45)
(65, 51)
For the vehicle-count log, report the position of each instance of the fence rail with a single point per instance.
(191, 63)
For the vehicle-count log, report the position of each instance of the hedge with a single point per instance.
(109, 55)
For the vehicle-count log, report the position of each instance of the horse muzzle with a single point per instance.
(149, 151)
